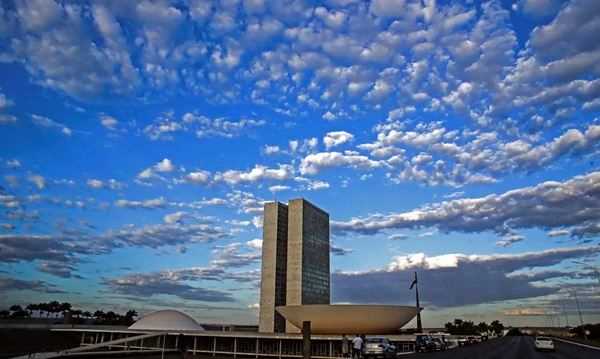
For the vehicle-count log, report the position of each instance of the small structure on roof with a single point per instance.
(166, 320)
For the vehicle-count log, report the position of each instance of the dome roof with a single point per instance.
(171, 320)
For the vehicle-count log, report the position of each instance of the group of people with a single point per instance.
(358, 346)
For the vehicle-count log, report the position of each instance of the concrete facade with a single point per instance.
(298, 274)
(308, 256)
(273, 267)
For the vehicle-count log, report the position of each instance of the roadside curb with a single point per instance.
(577, 343)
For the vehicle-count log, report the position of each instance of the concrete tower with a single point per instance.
(295, 261)
(273, 267)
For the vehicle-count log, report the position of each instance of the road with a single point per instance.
(510, 348)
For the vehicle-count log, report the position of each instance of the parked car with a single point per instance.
(424, 343)
(440, 344)
(379, 347)
(544, 343)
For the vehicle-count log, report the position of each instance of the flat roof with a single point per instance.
(213, 333)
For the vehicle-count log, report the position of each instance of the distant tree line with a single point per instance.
(54, 309)
(466, 327)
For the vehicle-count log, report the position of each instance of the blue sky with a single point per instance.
(139, 141)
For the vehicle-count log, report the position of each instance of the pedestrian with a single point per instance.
(363, 347)
(357, 344)
(345, 346)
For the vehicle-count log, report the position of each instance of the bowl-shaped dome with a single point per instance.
(349, 319)
(167, 320)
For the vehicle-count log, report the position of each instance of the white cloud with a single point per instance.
(175, 217)
(198, 177)
(314, 163)
(37, 180)
(255, 244)
(278, 188)
(5, 101)
(337, 138)
(14, 163)
(111, 183)
(548, 205)
(164, 166)
(43, 121)
(270, 150)
(95, 183)
(7, 119)
(159, 202)
(258, 173)
(109, 122)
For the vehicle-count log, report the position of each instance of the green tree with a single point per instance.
(483, 328)
(30, 308)
(497, 327)
(99, 316)
(461, 327)
(54, 307)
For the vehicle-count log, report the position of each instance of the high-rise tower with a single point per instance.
(295, 260)
(273, 267)
(307, 256)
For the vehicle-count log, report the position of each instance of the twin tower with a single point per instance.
(295, 261)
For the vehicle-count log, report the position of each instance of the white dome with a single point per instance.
(171, 320)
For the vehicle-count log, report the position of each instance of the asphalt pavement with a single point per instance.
(517, 347)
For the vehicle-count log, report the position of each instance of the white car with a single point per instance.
(544, 343)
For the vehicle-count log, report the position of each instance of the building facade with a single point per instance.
(273, 267)
(295, 261)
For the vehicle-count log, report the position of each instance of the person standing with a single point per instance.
(363, 346)
(357, 344)
(345, 346)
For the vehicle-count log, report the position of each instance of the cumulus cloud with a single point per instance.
(38, 180)
(278, 188)
(111, 184)
(159, 202)
(337, 138)
(63, 251)
(163, 166)
(258, 173)
(232, 256)
(109, 122)
(548, 205)
(255, 243)
(163, 128)
(198, 177)
(314, 163)
(457, 279)
(175, 217)
(271, 150)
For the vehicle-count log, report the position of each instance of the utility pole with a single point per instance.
(562, 304)
(416, 284)
(580, 316)
(578, 308)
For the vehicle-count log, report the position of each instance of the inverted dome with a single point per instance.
(349, 319)
(171, 320)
